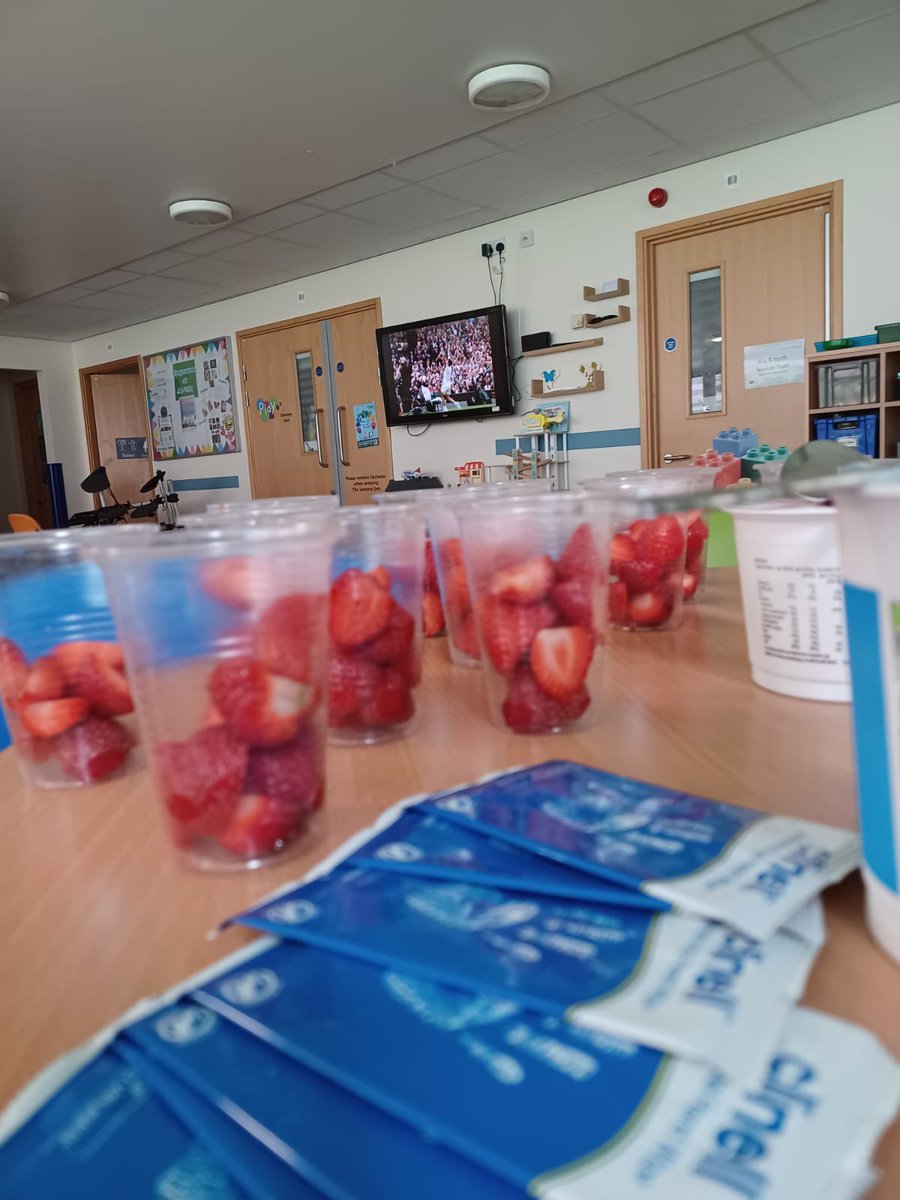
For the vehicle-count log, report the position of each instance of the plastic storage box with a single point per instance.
(859, 431)
(735, 441)
(889, 332)
(854, 381)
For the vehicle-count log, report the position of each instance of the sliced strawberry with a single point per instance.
(410, 667)
(94, 749)
(580, 559)
(70, 657)
(430, 577)
(636, 528)
(640, 575)
(528, 709)
(359, 610)
(649, 609)
(662, 541)
(697, 534)
(286, 634)
(574, 601)
(240, 582)
(391, 646)
(49, 718)
(688, 585)
(211, 718)
(621, 550)
(261, 708)
(560, 659)
(432, 614)
(13, 670)
(44, 681)
(617, 602)
(351, 681)
(451, 553)
(391, 704)
(696, 565)
(458, 601)
(465, 638)
(525, 583)
(201, 779)
(103, 686)
(291, 776)
(507, 630)
(382, 577)
(258, 827)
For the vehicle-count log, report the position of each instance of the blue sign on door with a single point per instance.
(670, 343)
(131, 447)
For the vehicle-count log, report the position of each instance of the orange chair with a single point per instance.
(22, 523)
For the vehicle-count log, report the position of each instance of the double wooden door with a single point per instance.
(33, 451)
(315, 417)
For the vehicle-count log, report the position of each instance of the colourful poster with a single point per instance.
(365, 420)
(191, 402)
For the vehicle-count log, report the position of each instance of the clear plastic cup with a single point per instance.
(433, 617)
(537, 568)
(272, 504)
(375, 623)
(66, 696)
(225, 636)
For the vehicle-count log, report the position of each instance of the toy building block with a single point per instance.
(737, 441)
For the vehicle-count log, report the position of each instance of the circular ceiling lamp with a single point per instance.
(509, 87)
(4, 298)
(200, 212)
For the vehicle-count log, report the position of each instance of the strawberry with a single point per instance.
(697, 534)
(507, 630)
(465, 637)
(573, 599)
(257, 827)
(390, 646)
(662, 541)
(351, 681)
(410, 668)
(580, 559)
(458, 602)
(290, 775)
(201, 779)
(70, 657)
(617, 602)
(285, 636)
(212, 717)
(636, 528)
(640, 575)
(359, 610)
(432, 614)
(528, 709)
(451, 553)
(49, 718)
(688, 585)
(94, 749)
(44, 681)
(621, 550)
(261, 708)
(649, 609)
(430, 577)
(13, 670)
(524, 583)
(103, 686)
(238, 582)
(382, 577)
(391, 703)
(560, 659)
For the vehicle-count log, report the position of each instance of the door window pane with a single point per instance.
(307, 393)
(706, 340)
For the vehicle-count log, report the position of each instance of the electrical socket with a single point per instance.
(578, 321)
(491, 249)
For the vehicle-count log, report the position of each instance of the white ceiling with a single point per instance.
(342, 131)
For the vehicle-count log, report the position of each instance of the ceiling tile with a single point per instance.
(761, 131)
(117, 302)
(158, 262)
(498, 178)
(717, 105)
(847, 62)
(107, 279)
(267, 254)
(23, 309)
(53, 323)
(409, 207)
(210, 270)
(443, 158)
(596, 146)
(679, 72)
(552, 118)
(554, 191)
(468, 220)
(157, 287)
(332, 230)
(863, 101)
(65, 295)
(279, 218)
(818, 20)
(354, 190)
(219, 239)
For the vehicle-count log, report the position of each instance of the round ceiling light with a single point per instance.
(510, 86)
(200, 212)
(4, 298)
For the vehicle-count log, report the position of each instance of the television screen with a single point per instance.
(446, 368)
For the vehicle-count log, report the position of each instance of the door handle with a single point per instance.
(670, 458)
(340, 410)
(317, 413)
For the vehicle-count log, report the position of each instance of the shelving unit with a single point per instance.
(621, 287)
(561, 348)
(538, 393)
(623, 314)
(887, 406)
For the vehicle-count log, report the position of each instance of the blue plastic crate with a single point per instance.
(857, 430)
(736, 441)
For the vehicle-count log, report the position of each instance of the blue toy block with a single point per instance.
(737, 441)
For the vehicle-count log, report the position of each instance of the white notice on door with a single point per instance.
(774, 363)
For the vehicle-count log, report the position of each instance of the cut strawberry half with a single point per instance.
(560, 659)
(94, 749)
(391, 703)
(458, 601)
(507, 630)
(621, 550)
(661, 541)
(451, 553)
(359, 609)
(13, 671)
(286, 633)
(70, 657)
(44, 681)
(688, 585)
(261, 708)
(697, 534)
(617, 602)
(525, 583)
(465, 638)
(49, 718)
(392, 645)
(650, 609)
(258, 827)
(528, 709)
(573, 599)
(201, 779)
(290, 775)
(430, 577)
(382, 577)
(580, 559)
(103, 686)
(351, 682)
(240, 582)
(432, 614)
(640, 575)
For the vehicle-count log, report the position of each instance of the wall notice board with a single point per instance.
(191, 400)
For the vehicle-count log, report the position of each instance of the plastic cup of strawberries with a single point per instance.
(225, 633)
(433, 617)
(537, 569)
(375, 623)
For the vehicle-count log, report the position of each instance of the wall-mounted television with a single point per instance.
(446, 368)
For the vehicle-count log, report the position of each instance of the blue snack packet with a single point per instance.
(104, 1134)
(745, 868)
(666, 980)
(337, 1143)
(423, 843)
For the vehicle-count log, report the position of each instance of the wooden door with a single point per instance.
(287, 412)
(119, 405)
(33, 451)
(363, 438)
(757, 282)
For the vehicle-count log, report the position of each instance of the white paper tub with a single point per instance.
(792, 586)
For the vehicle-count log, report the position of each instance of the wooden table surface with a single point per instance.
(97, 914)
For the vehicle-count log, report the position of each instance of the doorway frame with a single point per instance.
(325, 314)
(87, 407)
(830, 195)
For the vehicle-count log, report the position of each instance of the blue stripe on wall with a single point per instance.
(594, 439)
(212, 484)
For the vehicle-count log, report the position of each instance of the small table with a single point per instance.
(96, 914)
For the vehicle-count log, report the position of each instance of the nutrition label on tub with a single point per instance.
(802, 612)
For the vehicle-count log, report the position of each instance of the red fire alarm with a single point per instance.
(658, 197)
